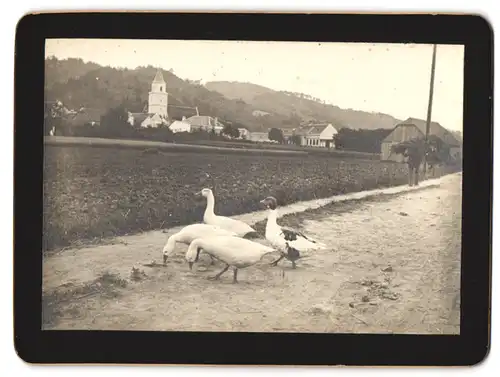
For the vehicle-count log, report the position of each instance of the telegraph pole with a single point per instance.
(429, 108)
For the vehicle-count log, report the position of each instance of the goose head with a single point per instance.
(168, 248)
(166, 251)
(206, 192)
(192, 256)
(270, 202)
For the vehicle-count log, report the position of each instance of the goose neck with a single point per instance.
(210, 205)
(272, 217)
(170, 245)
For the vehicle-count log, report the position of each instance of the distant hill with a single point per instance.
(60, 71)
(79, 84)
(85, 84)
(299, 105)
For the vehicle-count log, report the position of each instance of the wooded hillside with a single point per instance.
(302, 106)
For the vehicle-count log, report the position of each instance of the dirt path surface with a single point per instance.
(392, 266)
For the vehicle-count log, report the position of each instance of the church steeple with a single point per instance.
(158, 85)
(159, 77)
(158, 96)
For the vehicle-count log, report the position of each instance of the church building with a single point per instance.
(157, 114)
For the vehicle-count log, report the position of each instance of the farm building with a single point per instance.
(259, 136)
(180, 126)
(86, 116)
(146, 120)
(157, 114)
(205, 123)
(317, 135)
(414, 128)
(287, 135)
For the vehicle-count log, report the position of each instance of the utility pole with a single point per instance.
(429, 108)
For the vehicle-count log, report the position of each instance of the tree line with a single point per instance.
(361, 140)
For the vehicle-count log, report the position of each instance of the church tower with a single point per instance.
(158, 96)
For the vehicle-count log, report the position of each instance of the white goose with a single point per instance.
(233, 251)
(187, 234)
(283, 238)
(239, 227)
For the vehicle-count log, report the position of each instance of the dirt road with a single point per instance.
(392, 266)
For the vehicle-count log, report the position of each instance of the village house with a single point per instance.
(413, 128)
(157, 114)
(288, 134)
(244, 133)
(180, 126)
(205, 123)
(259, 136)
(86, 116)
(317, 135)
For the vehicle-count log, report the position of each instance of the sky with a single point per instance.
(386, 78)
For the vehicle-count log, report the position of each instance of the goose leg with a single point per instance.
(212, 260)
(216, 277)
(293, 265)
(235, 274)
(275, 263)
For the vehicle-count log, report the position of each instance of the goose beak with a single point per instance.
(263, 203)
(190, 265)
(198, 193)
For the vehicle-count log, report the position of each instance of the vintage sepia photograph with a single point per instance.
(251, 186)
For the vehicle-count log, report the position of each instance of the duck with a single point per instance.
(187, 234)
(234, 252)
(241, 228)
(287, 240)
(291, 253)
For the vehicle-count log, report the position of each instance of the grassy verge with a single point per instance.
(108, 285)
(209, 146)
(324, 152)
(158, 146)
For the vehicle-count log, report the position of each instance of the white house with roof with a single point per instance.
(317, 135)
(205, 123)
(180, 126)
(157, 114)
